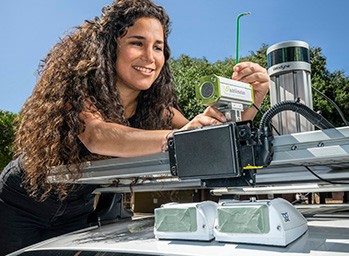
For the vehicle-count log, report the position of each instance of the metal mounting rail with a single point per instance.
(326, 152)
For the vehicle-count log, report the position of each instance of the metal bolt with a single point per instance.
(321, 144)
(174, 170)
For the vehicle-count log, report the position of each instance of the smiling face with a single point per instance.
(140, 56)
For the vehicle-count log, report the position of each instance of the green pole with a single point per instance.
(238, 35)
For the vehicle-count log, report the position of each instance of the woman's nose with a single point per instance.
(148, 55)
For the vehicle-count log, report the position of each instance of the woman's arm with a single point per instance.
(112, 139)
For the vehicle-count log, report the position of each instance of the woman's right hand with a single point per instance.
(210, 116)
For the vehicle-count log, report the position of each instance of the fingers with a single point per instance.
(214, 113)
(251, 73)
(210, 116)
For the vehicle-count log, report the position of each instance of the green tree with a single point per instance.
(334, 85)
(342, 95)
(7, 128)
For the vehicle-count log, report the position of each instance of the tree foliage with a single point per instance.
(7, 128)
(334, 85)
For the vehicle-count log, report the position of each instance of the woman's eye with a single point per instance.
(158, 48)
(137, 43)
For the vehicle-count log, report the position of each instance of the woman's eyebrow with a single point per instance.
(143, 38)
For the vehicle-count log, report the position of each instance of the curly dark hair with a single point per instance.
(82, 67)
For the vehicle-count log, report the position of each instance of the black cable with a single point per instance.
(298, 107)
(260, 111)
(325, 180)
(333, 103)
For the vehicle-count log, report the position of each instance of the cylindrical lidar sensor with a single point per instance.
(290, 73)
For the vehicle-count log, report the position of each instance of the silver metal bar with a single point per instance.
(328, 147)
(325, 151)
(153, 186)
(281, 189)
(110, 170)
(294, 174)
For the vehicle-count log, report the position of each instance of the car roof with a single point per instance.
(325, 236)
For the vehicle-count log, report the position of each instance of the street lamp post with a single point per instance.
(238, 35)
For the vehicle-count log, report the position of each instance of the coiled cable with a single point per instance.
(315, 118)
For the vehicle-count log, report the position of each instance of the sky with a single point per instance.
(200, 29)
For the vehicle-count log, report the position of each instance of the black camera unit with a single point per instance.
(221, 155)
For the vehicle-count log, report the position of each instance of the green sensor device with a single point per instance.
(229, 96)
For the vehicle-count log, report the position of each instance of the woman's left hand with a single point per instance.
(257, 76)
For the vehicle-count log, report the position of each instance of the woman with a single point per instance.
(104, 91)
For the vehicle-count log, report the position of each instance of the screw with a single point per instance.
(174, 170)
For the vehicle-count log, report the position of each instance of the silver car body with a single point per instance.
(327, 235)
